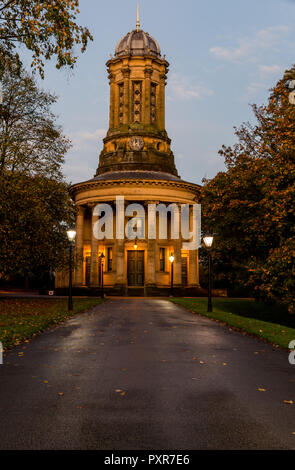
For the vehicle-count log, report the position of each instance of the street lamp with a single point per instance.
(171, 259)
(135, 243)
(71, 237)
(101, 276)
(208, 242)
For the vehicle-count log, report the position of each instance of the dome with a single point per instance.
(138, 43)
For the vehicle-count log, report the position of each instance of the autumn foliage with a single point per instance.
(47, 29)
(35, 207)
(251, 206)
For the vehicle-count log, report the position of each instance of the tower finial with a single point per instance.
(137, 22)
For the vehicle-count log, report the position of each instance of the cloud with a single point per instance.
(83, 139)
(180, 88)
(249, 47)
(254, 88)
(269, 70)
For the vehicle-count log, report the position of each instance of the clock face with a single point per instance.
(136, 143)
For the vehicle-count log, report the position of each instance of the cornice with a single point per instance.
(89, 185)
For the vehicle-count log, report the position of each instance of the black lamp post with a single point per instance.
(171, 259)
(71, 237)
(101, 276)
(208, 242)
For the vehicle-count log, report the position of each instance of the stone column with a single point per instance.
(147, 108)
(94, 254)
(126, 76)
(161, 101)
(177, 262)
(193, 277)
(116, 104)
(151, 263)
(120, 262)
(78, 280)
(112, 100)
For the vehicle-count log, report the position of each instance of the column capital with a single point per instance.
(146, 203)
(80, 210)
(126, 72)
(91, 205)
(148, 71)
(111, 78)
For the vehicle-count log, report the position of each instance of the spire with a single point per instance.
(137, 22)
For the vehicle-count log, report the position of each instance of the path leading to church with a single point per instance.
(146, 374)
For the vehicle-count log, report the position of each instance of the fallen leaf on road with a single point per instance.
(195, 358)
(288, 402)
(261, 389)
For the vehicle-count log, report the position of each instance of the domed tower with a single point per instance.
(136, 164)
(137, 139)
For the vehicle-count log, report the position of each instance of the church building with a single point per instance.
(136, 163)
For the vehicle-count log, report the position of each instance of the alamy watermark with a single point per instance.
(292, 353)
(291, 86)
(182, 220)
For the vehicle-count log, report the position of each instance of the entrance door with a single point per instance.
(135, 268)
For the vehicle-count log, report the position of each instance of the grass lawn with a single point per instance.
(271, 323)
(20, 319)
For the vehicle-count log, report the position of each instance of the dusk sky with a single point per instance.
(223, 55)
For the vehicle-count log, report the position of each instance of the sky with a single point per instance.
(223, 55)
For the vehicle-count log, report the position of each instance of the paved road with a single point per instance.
(145, 374)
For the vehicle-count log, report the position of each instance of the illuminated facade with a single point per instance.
(136, 162)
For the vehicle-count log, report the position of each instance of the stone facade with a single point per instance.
(136, 162)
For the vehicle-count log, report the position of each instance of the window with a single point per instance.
(153, 102)
(121, 102)
(137, 101)
(162, 259)
(110, 259)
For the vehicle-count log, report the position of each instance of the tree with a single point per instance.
(47, 29)
(251, 204)
(35, 207)
(34, 214)
(30, 140)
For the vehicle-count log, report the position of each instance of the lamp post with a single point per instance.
(171, 259)
(208, 242)
(135, 243)
(71, 237)
(101, 276)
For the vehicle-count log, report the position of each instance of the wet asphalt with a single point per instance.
(146, 374)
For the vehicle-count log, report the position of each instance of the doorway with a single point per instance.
(135, 268)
